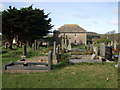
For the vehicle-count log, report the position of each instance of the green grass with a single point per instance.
(15, 55)
(69, 76)
(63, 75)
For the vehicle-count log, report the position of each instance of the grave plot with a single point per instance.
(84, 58)
(36, 63)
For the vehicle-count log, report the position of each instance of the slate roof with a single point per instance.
(71, 28)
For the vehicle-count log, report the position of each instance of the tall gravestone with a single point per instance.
(69, 45)
(24, 50)
(54, 48)
(65, 45)
(108, 53)
(102, 50)
(115, 44)
(50, 60)
(35, 44)
(111, 43)
(57, 53)
(62, 42)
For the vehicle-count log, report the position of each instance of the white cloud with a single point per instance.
(113, 22)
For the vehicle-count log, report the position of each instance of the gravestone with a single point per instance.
(108, 53)
(95, 49)
(62, 43)
(102, 49)
(24, 50)
(57, 53)
(69, 45)
(20, 44)
(54, 48)
(35, 44)
(50, 60)
(6, 45)
(65, 45)
(111, 43)
(115, 44)
(119, 61)
(91, 47)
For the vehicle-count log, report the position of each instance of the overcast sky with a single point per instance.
(99, 17)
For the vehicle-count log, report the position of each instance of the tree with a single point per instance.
(9, 24)
(25, 25)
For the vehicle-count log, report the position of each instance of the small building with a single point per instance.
(74, 32)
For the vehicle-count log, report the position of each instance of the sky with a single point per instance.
(99, 17)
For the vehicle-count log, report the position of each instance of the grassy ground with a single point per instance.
(63, 75)
(70, 76)
(14, 55)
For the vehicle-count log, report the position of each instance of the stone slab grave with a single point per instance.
(83, 58)
(35, 63)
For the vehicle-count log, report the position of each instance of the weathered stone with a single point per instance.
(115, 44)
(35, 44)
(111, 43)
(24, 50)
(102, 50)
(95, 49)
(50, 60)
(62, 43)
(54, 48)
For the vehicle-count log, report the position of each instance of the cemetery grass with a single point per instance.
(14, 55)
(63, 75)
(69, 76)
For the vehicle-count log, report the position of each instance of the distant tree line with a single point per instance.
(24, 25)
